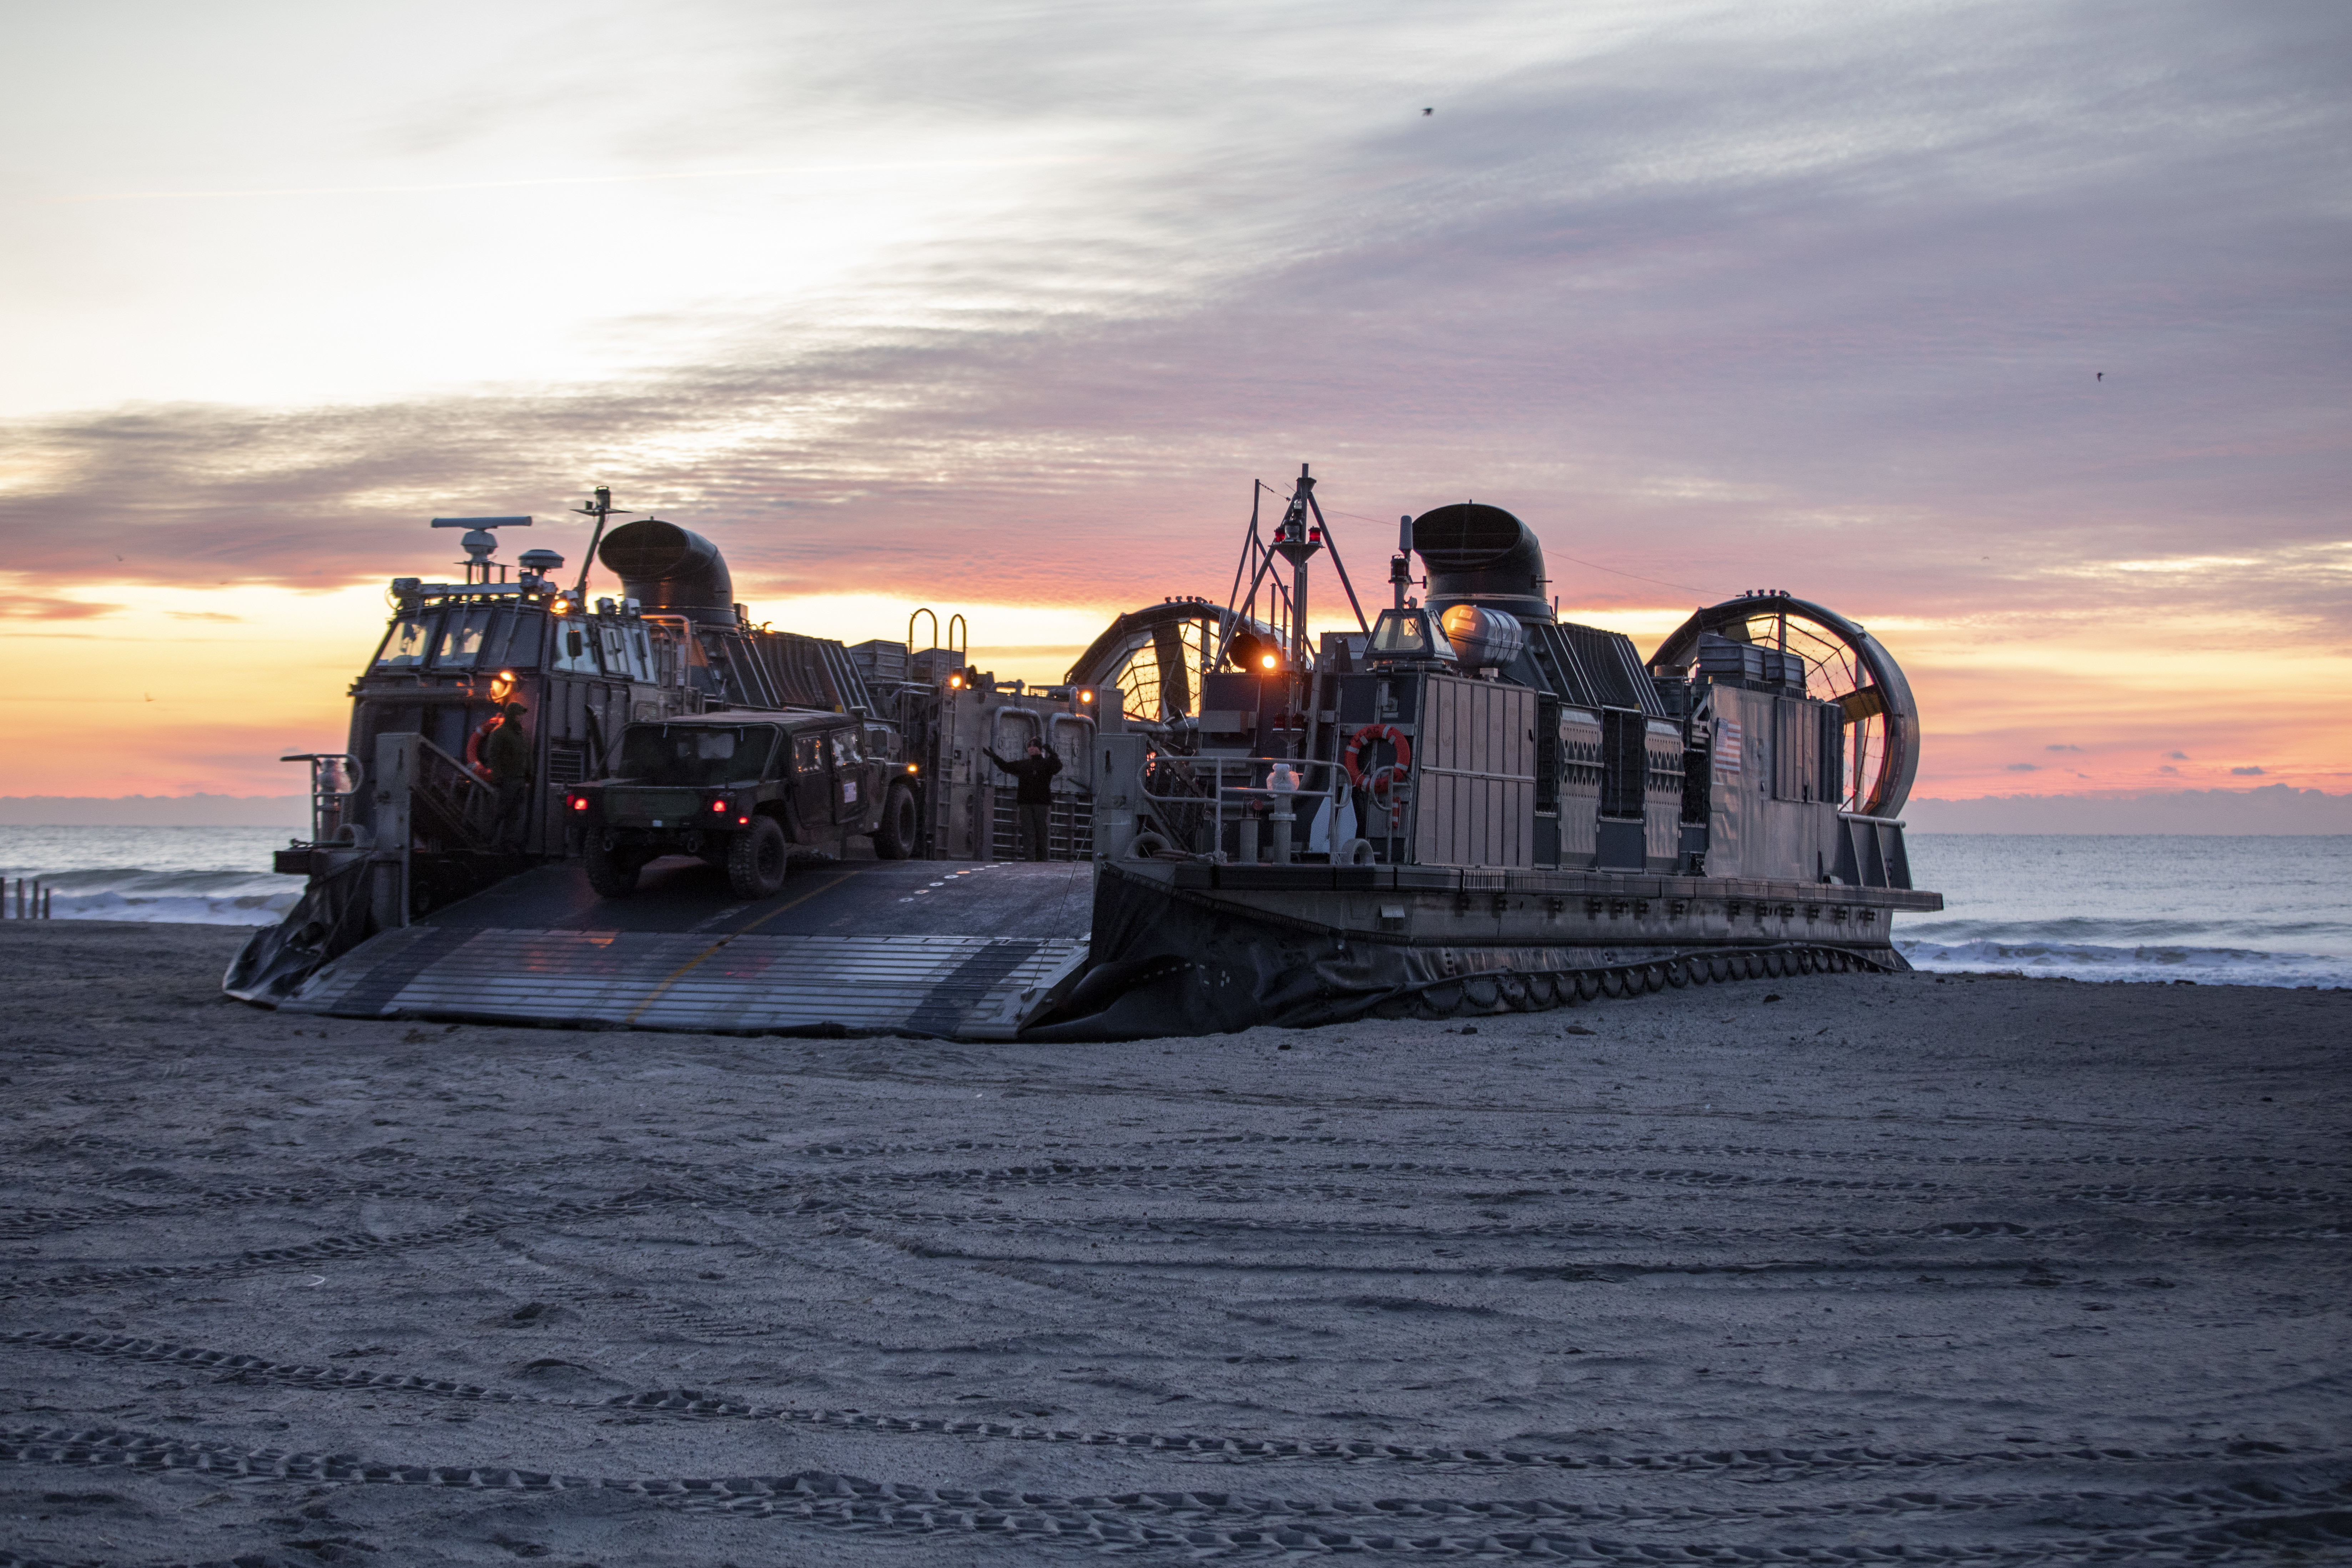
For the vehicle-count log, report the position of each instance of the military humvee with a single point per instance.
(741, 789)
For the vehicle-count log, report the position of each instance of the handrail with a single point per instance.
(1084, 721)
(454, 794)
(921, 611)
(326, 802)
(1241, 794)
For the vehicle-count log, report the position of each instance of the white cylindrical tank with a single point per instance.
(1483, 637)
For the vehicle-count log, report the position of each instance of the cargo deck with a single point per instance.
(929, 948)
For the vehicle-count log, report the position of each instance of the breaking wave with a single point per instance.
(191, 898)
(193, 876)
(2156, 962)
(2218, 910)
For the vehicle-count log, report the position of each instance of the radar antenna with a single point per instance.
(600, 506)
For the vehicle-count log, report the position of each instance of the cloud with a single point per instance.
(36, 607)
(2024, 768)
(2268, 808)
(1706, 294)
(2168, 769)
(1653, 284)
(2178, 756)
(2246, 773)
(2062, 748)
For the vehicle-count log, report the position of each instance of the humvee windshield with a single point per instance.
(697, 754)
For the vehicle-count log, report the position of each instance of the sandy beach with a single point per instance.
(1833, 1268)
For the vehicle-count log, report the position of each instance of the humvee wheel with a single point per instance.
(901, 827)
(611, 872)
(755, 859)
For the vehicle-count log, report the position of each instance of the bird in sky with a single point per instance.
(2103, 376)
(1427, 113)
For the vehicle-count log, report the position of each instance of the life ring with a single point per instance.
(474, 762)
(1353, 756)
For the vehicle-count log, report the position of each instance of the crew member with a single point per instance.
(1036, 795)
(507, 753)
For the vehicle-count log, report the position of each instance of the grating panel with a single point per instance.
(958, 986)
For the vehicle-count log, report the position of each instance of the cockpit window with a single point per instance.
(695, 754)
(403, 647)
(624, 654)
(461, 638)
(575, 645)
(1402, 633)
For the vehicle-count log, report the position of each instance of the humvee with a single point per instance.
(741, 789)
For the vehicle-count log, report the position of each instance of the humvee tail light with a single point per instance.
(743, 822)
(718, 805)
(579, 803)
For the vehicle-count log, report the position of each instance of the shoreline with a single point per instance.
(2010, 973)
(1958, 1262)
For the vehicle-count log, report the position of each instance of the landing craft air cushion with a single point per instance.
(1464, 806)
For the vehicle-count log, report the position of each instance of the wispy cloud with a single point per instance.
(38, 608)
(1715, 298)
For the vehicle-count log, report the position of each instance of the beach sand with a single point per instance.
(1999, 1269)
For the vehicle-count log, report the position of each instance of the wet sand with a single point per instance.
(1983, 1270)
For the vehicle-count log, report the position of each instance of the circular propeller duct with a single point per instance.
(1156, 656)
(1844, 665)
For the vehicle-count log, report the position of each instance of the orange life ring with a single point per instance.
(1352, 758)
(474, 747)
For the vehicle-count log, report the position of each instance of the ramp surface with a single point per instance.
(946, 949)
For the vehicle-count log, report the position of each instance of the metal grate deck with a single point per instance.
(962, 987)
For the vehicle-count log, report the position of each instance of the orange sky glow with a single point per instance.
(2022, 337)
(173, 691)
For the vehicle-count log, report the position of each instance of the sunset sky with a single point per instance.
(1003, 307)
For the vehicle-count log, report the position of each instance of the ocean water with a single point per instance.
(2241, 910)
(2219, 910)
(203, 876)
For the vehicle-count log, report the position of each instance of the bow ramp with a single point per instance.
(945, 948)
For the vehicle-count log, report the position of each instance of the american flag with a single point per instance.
(1727, 744)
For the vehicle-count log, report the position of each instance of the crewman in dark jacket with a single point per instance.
(507, 753)
(1036, 795)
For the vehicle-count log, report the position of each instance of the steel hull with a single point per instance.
(1183, 947)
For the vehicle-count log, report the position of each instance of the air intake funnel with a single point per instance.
(1482, 555)
(671, 571)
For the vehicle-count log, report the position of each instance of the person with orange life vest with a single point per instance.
(506, 754)
(1035, 794)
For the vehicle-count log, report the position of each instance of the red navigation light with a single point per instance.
(579, 803)
(718, 805)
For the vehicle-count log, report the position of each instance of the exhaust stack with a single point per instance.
(671, 571)
(1482, 556)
